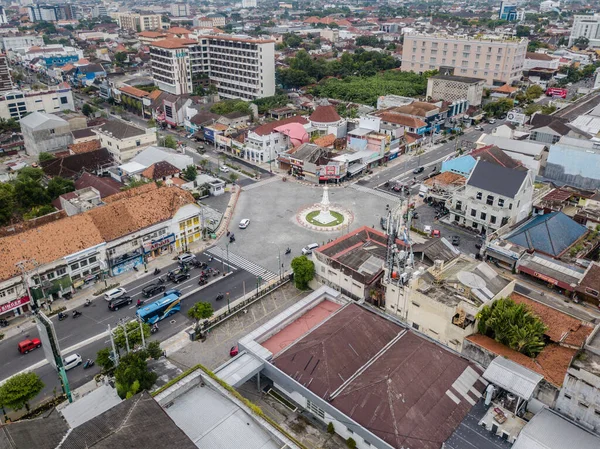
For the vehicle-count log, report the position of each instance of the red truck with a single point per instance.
(556, 92)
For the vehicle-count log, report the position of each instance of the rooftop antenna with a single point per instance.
(398, 228)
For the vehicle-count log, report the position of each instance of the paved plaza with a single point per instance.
(272, 209)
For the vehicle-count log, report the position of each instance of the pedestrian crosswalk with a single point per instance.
(379, 193)
(261, 183)
(243, 263)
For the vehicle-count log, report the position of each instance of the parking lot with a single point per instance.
(426, 217)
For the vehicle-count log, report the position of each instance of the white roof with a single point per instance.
(360, 132)
(40, 120)
(132, 167)
(153, 154)
(548, 430)
(587, 123)
(512, 377)
(351, 157)
(91, 405)
(516, 146)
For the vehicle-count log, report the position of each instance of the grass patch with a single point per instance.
(310, 217)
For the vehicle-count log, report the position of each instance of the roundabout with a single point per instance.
(324, 216)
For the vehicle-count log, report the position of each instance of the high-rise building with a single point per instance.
(510, 12)
(3, 18)
(588, 27)
(180, 9)
(139, 22)
(99, 11)
(5, 79)
(248, 3)
(44, 13)
(239, 66)
(495, 61)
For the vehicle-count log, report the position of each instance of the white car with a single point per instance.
(71, 361)
(427, 229)
(491, 121)
(224, 169)
(185, 258)
(479, 128)
(244, 223)
(114, 293)
(308, 249)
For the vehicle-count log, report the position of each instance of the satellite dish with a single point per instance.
(470, 280)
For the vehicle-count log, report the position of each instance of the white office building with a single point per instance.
(180, 9)
(588, 27)
(239, 66)
(249, 4)
(17, 104)
(43, 13)
(3, 18)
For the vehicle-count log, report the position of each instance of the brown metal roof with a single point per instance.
(405, 393)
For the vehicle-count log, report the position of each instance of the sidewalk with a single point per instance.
(23, 323)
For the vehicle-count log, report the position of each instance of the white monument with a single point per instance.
(325, 217)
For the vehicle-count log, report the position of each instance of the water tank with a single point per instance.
(511, 402)
(404, 278)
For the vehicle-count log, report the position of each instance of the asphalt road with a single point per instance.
(97, 317)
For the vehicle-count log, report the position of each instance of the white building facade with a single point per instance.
(16, 104)
(588, 27)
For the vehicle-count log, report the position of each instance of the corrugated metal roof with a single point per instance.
(512, 377)
(548, 430)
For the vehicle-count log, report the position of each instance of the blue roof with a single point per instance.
(460, 165)
(550, 233)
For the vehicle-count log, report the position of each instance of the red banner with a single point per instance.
(13, 304)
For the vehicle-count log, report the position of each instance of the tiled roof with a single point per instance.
(151, 34)
(505, 89)
(325, 114)
(105, 185)
(69, 166)
(84, 147)
(268, 128)
(550, 234)
(538, 56)
(134, 91)
(82, 133)
(447, 178)
(497, 179)
(418, 108)
(562, 328)
(173, 43)
(160, 170)
(591, 280)
(401, 119)
(155, 94)
(552, 362)
(495, 155)
(178, 30)
(121, 130)
(325, 141)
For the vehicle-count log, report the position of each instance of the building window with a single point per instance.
(415, 326)
(74, 266)
(490, 200)
(315, 409)
(474, 225)
(61, 271)
(415, 304)
(492, 219)
(473, 213)
(459, 205)
(483, 215)
(591, 292)
(500, 202)
(51, 131)
(64, 100)
(583, 405)
(479, 195)
(510, 206)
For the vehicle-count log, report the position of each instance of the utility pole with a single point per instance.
(112, 342)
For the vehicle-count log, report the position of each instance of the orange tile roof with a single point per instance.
(552, 362)
(121, 216)
(67, 67)
(84, 147)
(130, 90)
(154, 94)
(562, 328)
(173, 43)
(325, 141)
(446, 179)
(178, 30)
(150, 187)
(153, 34)
(401, 119)
(506, 89)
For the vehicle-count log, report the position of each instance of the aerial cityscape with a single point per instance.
(301, 224)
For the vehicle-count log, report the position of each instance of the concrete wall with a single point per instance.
(41, 141)
(579, 398)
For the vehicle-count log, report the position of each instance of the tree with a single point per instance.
(267, 103)
(532, 109)
(87, 110)
(351, 443)
(513, 325)
(523, 31)
(132, 375)
(43, 157)
(58, 186)
(304, 271)
(533, 92)
(7, 203)
(548, 109)
(29, 191)
(200, 311)
(170, 142)
(190, 173)
(19, 390)
(330, 428)
(229, 106)
(233, 177)
(498, 107)
(581, 42)
(104, 360)
(120, 57)
(154, 350)
(134, 336)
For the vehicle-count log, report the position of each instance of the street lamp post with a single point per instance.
(278, 259)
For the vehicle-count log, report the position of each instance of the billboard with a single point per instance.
(48, 338)
(515, 117)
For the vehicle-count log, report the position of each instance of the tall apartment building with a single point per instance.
(15, 43)
(99, 10)
(588, 27)
(44, 13)
(180, 9)
(3, 18)
(240, 67)
(494, 60)
(139, 22)
(510, 12)
(5, 79)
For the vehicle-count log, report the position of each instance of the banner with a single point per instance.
(14, 304)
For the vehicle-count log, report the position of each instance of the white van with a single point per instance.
(308, 249)
(71, 361)
(114, 293)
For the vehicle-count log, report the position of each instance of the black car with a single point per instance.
(115, 304)
(152, 290)
(180, 277)
(418, 170)
(455, 240)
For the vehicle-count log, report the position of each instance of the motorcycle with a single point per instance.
(231, 239)
(61, 316)
(3, 323)
(140, 303)
(87, 303)
(287, 251)
(202, 281)
(160, 281)
(88, 364)
(156, 271)
(154, 329)
(219, 297)
(135, 268)
(76, 313)
(216, 272)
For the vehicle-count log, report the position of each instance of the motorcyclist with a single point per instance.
(139, 302)
(88, 302)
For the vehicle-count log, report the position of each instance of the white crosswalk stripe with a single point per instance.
(379, 193)
(243, 263)
(260, 183)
